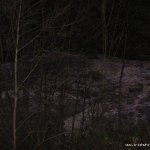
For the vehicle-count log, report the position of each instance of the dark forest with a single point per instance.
(117, 28)
(74, 75)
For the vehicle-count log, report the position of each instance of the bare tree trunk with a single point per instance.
(16, 80)
(104, 30)
(84, 104)
(75, 109)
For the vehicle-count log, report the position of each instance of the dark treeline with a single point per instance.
(110, 27)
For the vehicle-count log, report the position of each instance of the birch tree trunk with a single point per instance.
(16, 79)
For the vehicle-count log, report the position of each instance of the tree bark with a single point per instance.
(16, 80)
